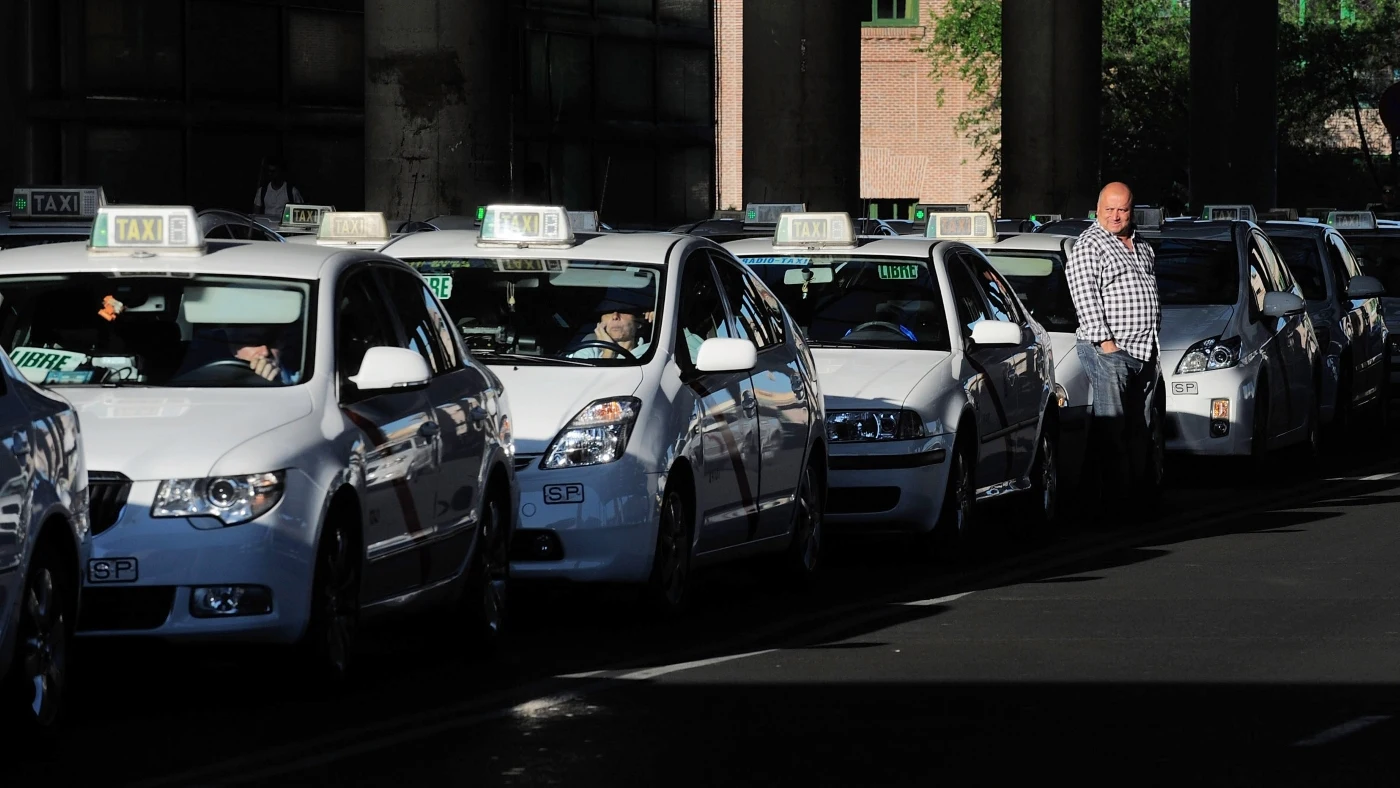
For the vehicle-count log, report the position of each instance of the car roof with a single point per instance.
(1295, 229)
(1199, 230)
(1034, 242)
(652, 248)
(228, 258)
(1065, 227)
(874, 246)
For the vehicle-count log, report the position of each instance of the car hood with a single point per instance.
(853, 378)
(544, 398)
(150, 434)
(1184, 326)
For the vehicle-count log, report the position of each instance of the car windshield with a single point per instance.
(1379, 256)
(169, 330)
(1304, 260)
(1039, 280)
(892, 302)
(549, 311)
(1196, 272)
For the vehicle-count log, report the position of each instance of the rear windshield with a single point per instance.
(1195, 272)
(1305, 262)
(1039, 281)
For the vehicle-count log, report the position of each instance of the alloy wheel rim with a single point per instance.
(811, 523)
(673, 567)
(45, 646)
(337, 603)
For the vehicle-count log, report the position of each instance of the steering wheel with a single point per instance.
(890, 327)
(224, 370)
(600, 343)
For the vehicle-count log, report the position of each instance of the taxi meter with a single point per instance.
(962, 226)
(56, 203)
(129, 229)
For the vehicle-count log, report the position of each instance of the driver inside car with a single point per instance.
(262, 348)
(623, 322)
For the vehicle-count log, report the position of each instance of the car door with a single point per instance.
(1363, 315)
(1025, 384)
(1293, 338)
(398, 442)
(988, 374)
(728, 478)
(458, 394)
(777, 388)
(15, 454)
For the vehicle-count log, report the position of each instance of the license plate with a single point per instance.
(1184, 388)
(112, 570)
(563, 493)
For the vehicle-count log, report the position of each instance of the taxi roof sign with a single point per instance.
(923, 209)
(1045, 218)
(172, 229)
(525, 225)
(57, 203)
(1148, 217)
(1220, 213)
(961, 226)
(815, 231)
(1279, 215)
(728, 215)
(1352, 220)
(768, 213)
(584, 221)
(299, 215)
(347, 228)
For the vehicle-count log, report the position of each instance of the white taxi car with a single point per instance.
(668, 413)
(1239, 357)
(939, 386)
(282, 439)
(44, 545)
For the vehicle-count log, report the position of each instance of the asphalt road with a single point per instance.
(1247, 632)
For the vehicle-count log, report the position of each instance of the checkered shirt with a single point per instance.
(1115, 291)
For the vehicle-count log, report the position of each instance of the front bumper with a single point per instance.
(895, 487)
(1188, 416)
(604, 517)
(173, 556)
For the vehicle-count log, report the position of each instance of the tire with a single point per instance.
(952, 535)
(483, 605)
(804, 554)
(1155, 468)
(1044, 496)
(1259, 430)
(668, 589)
(35, 691)
(1343, 422)
(328, 645)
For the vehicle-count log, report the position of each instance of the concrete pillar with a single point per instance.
(802, 103)
(1234, 102)
(437, 106)
(1052, 65)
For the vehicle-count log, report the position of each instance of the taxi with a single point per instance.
(282, 440)
(1376, 247)
(1240, 360)
(939, 385)
(669, 414)
(49, 214)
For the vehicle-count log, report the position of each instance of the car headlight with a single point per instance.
(852, 426)
(597, 435)
(1210, 354)
(231, 499)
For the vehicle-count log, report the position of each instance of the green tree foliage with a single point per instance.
(966, 43)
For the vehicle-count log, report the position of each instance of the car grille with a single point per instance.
(523, 461)
(107, 493)
(138, 607)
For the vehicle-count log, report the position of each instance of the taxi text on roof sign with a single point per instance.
(811, 230)
(968, 225)
(36, 202)
(768, 213)
(1218, 213)
(525, 225)
(296, 215)
(353, 228)
(125, 229)
(1352, 220)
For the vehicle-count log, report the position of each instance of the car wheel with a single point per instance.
(1155, 471)
(1259, 431)
(1342, 421)
(38, 679)
(328, 646)
(953, 532)
(488, 578)
(668, 589)
(1045, 482)
(804, 554)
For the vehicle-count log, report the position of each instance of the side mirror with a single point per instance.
(1365, 287)
(391, 368)
(722, 354)
(996, 332)
(1282, 304)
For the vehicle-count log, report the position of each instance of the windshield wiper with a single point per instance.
(518, 357)
(834, 343)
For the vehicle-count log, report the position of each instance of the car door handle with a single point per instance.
(429, 429)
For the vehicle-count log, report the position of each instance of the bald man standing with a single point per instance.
(1113, 283)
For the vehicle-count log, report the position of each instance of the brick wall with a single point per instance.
(909, 147)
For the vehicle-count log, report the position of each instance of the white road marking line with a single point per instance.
(651, 673)
(1375, 477)
(943, 600)
(1341, 731)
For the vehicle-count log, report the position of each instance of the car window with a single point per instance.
(1039, 281)
(1196, 272)
(701, 311)
(966, 294)
(1279, 277)
(1000, 296)
(1338, 264)
(1344, 257)
(1259, 284)
(422, 331)
(744, 303)
(362, 322)
(772, 309)
(1305, 262)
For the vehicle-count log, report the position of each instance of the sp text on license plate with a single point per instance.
(1184, 388)
(112, 570)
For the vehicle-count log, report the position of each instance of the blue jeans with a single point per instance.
(1120, 427)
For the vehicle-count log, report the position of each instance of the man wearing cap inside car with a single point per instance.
(624, 319)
